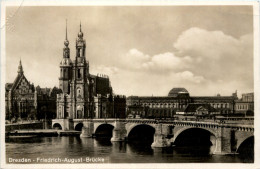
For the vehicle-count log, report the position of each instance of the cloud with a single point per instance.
(144, 82)
(190, 77)
(136, 60)
(217, 55)
(102, 69)
(169, 62)
(206, 62)
(207, 44)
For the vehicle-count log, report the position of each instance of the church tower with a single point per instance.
(65, 67)
(80, 80)
(78, 99)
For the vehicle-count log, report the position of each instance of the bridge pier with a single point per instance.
(223, 141)
(119, 132)
(160, 137)
(87, 129)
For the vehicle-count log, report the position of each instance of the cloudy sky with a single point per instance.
(144, 50)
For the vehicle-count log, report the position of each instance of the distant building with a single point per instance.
(24, 101)
(200, 109)
(245, 105)
(175, 103)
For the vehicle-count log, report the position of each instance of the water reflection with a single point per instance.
(140, 148)
(119, 147)
(112, 152)
(103, 141)
(193, 151)
(24, 140)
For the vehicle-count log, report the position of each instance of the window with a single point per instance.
(65, 73)
(79, 114)
(79, 93)
(79, 74)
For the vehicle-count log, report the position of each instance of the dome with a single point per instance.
(66, 62)
(66, 43)
(80, 34)
(174, 92)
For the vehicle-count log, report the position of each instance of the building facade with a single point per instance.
(176, 102)
(83, 95)
(245, 105)
(24, 101)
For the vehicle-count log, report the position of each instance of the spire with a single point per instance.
(66, 50)
(80, 34)
(66, 30)
(20, 68)
(80, 26)
(66, 42)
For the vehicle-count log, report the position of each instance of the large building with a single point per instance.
(177, 102)
(83, 95)
(24, 101)
(245, 105)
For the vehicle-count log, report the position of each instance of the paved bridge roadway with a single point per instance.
(226, 136)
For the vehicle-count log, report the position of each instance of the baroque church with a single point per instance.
(84, 95)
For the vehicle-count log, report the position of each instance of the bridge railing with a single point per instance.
(224, 123)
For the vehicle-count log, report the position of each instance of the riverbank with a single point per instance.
(42, 132)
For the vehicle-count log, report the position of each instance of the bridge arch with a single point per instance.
(57, 126)
(243, 139)
(132, 126)
(78, 126)
(212, 136)
(178, 131)
(246, 149)
(104, 129)
(141, 134)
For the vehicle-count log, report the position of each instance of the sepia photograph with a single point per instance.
(143, 84)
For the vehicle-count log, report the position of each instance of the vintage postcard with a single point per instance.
(123, 84)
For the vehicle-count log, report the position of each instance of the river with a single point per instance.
(73, 148)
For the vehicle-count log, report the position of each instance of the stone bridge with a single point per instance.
(226, 138)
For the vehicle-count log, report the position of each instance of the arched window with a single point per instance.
(79, 93)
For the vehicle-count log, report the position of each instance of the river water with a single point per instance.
(73, 149)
